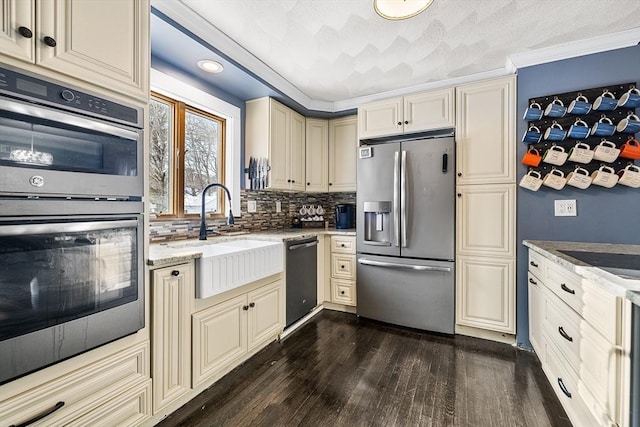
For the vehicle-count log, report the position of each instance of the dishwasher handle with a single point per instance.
(373, 263)
(303, 245)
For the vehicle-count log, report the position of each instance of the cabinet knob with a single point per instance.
(252, 304)
(293, 181)
(175, 273)
(308, 183)
(459, 173)
(50, 41)
(25, 32)
(342, 292)
(406, 122)
(399, 123)
(459, 194)
(342, 245)
(342, 266)
(288, 180)
(330, 183)
(245, 307)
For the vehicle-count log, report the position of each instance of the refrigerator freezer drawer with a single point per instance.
(407, 292)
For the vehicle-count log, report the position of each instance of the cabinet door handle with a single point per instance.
(459, 194)
(288, 180)
(25, 32)
(50, 41)
(563, 388)
(40, 415)
(567, 289)
(564, 334)
(459, 173)
(308, 183)
(533, 282)
(175, 273)
(330, 183)
(533, 264)
(406, 122)
(252, 304)
(399, 123)
(245, 307)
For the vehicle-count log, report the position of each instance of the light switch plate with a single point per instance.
(565, 208)
(252, 206)
(278, 207)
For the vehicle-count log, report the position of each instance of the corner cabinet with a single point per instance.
(486, 209)
(172, 293)
(410, 114)
(276, 132)
(343, 149)
(227, 333)
(101, 42)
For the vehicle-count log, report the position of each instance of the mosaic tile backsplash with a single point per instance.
(265, 217)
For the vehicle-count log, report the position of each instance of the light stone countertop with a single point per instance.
(624, 287)
(174, 252)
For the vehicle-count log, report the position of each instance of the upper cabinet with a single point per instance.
(343, 148)
(413, 113)
(317, 153)
(485, 132)
(101, 42)
(277, 133)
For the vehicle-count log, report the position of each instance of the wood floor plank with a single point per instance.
(341, 370)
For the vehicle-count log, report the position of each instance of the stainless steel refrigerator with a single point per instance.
(405, 231)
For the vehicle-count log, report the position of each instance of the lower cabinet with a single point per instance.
(581, 353)
(172, 293)
(485, 296)
(113, 391)
(229, 331)
(343, 270)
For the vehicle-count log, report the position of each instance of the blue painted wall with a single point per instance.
(604, 215)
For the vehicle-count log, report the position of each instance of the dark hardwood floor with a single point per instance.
(340, 370)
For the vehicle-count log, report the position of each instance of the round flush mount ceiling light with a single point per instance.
(210, 66)
(400, 9)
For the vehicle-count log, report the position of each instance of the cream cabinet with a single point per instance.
(343, 270)
(115, 390)
(486, 295)
(413, 113)
(101, 42)
(578, 332)
(317, 155)
(276, 132)
(172, 293)
(485, 132)
(227, 333)
(343, 149)
(486, 207)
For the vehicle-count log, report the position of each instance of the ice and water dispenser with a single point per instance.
(377, 223)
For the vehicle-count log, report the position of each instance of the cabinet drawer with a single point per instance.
(565, 284)
(343, 266)
(562, 325)
(565, 384)
(343, 292)
(127, 409)
(537, 265)
(81, 391)
(343, 244)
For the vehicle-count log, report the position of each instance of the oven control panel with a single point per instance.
(15, 84)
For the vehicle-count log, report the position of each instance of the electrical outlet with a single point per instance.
(278, 207)
(252, 206)
(565, 208)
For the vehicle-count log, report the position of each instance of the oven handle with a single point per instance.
(62, 227)
(66, 118)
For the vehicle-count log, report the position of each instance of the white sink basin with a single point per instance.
(230, 264)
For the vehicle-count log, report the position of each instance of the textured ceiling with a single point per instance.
(333, 50)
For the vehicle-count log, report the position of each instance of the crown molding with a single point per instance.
(234, 52)
(576, 48)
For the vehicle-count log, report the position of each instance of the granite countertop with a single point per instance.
(621, 286)
(167, 253)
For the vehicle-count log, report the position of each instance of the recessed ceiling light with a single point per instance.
(210, 66)
(400, 9)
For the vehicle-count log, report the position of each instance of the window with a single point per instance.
(186, 154)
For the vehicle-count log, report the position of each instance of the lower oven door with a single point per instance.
(67, 285)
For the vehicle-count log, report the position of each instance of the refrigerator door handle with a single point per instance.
(403, 200)
(365, 261)
(396, 211)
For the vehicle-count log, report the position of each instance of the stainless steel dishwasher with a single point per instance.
(302, 277)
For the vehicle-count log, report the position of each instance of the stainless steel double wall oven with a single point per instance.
(71, 223)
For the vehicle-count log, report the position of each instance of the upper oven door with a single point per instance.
(45, 151)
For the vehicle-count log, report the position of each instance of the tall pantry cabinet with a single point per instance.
(486, 190)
